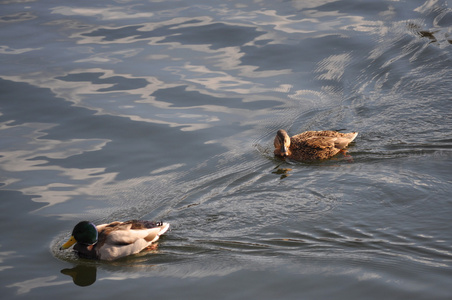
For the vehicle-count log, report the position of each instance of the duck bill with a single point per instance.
(69, 243)
(284, 151)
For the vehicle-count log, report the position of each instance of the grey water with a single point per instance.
(167, 110)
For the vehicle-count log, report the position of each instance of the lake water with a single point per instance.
(167, 110)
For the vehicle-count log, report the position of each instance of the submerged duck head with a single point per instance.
(282, 143)
(84, 233)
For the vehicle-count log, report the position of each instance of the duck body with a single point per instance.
(114, 240)
(312, 145)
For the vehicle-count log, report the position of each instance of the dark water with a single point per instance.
(115, 110)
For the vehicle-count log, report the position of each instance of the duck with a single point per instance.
(312, 145)
(114, 240)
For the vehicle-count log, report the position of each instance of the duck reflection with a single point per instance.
(84, 271)
(82, 275)
(284, 172)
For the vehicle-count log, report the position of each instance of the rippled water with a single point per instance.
(168, 109)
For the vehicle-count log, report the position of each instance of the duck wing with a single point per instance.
(123, 233)
(327, 139)
(320, 142)
(120, 239)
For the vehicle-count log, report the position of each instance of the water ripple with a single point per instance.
(168, 110)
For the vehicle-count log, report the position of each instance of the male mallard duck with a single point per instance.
(114, 240)
(312, 145)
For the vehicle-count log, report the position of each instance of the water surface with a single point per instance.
(167, 110)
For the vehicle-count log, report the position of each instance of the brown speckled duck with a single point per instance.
(312, 145)
(114, 240)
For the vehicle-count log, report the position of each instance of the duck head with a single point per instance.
(282, 143)
(84, 233)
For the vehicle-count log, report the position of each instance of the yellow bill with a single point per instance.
(69, 243)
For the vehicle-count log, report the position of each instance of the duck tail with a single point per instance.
(343, 141)
(352, 135)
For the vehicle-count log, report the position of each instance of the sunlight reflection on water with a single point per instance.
(165, 109)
